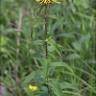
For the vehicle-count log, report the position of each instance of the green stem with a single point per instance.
(46, 46)
(46, 32)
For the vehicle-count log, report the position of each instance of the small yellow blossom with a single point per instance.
(47, 2)
(33, 87)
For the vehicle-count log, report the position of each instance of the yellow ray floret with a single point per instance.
(47, 2)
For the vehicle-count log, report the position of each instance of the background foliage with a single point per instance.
(71, 48)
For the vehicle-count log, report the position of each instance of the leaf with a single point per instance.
(73, 56)
(55, 85)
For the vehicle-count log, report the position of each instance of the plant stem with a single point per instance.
(46, 32)
(19, 29)
(46, 46)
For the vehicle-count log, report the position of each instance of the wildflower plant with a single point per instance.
(46, 4)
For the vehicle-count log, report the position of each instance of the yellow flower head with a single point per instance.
(47, 2)
(33, 87)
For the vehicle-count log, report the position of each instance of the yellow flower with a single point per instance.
(33, 87)
(47, 2)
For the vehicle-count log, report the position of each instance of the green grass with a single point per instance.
(70, 67)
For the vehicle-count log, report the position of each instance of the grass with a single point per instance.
(70, 65)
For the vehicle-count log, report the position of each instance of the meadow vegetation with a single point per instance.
(70, 66)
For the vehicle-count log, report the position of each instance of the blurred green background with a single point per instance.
(71, 61)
